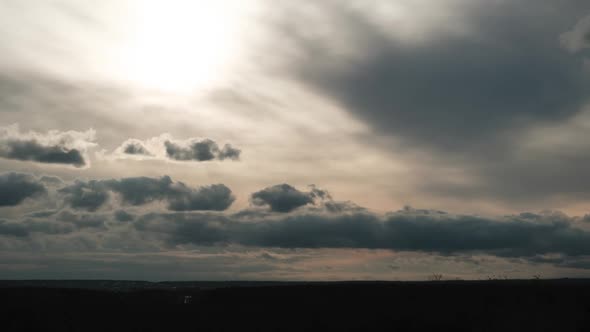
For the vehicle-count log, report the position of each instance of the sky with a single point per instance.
(294, 140)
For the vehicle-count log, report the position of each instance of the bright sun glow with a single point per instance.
(181, 45)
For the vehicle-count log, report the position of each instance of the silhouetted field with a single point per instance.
(533, 305)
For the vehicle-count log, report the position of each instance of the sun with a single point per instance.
(181, 45)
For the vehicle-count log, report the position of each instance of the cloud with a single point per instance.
(342, 207)
(328, 224)
(199, 150)
(31, 150)
(91, 195)
(167, 148)
(215, 197)
(229, 152)
(55, 147)
(51, 180)
(16, 187)
(135, 148)
(282, 198)
(82, 220)
(140, 190)
(578, 38)
(203, 150)
(445, 91)
(27, 227)
(122, 215)
(12, 229)
(407, 230)
(478, 76)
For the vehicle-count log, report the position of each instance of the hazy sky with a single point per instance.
(291, 140)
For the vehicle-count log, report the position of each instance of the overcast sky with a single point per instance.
(291, 140)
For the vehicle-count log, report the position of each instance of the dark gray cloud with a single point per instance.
(12, 229)
(451, 90)
(140, 190)
(203, 150)
(524, 235)
(55, 222)
(54, 226)
(53, 147)
(122, 215)
(229, 152)
(16, 187)
(136, 148)
(82, 220)
(91, 195)
(216, 197)
(32, 150)
(282, 198)
(342, 207)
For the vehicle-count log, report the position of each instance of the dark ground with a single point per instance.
(508, 305)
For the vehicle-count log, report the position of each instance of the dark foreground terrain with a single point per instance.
(531, 305)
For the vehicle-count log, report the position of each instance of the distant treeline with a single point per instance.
(535, 305)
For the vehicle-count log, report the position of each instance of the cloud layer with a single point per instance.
(524, 235)
(295, 220)
(298, 221)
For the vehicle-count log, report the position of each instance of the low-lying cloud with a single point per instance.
(523, 235)
(294, 220)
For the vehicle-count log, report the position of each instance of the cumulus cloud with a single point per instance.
(203, 150)
(285, 198)
(229, 152)
(135, 148)
(166, 147)
(578, 38)
(216, 197)
(16, 187)
(91, 195)
(54, 147)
